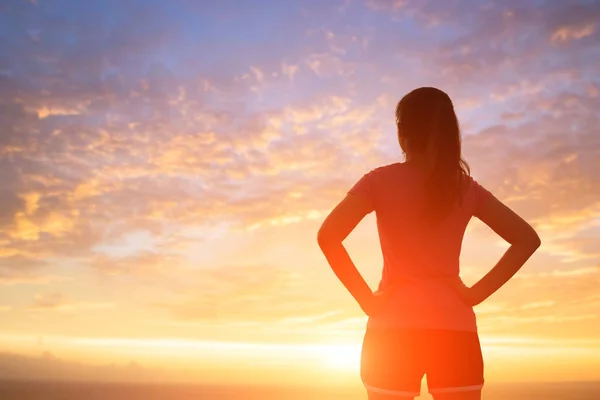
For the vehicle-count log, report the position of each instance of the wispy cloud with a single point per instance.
(58, 302)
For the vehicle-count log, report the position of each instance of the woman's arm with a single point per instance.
(336, 227)
(523, 240)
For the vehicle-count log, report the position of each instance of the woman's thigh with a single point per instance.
(471, 395)
(391, 364)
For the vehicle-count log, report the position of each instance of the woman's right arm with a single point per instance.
(523, 240)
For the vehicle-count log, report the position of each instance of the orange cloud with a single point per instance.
(59, 303)
(568, 33)
(46, 112)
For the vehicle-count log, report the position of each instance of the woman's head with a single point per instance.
(428, 130)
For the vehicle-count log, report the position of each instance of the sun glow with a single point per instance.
(181, 359)
(345, 357)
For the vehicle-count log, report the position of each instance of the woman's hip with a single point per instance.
(396, 359)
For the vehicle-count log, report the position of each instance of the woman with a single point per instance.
(421, 319)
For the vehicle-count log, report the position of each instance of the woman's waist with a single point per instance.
(428, 304)
(397, 280)
(440, 293)
(464, 320)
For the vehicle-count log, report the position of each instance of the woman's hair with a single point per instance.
(427, 126)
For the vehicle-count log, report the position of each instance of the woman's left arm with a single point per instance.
(336, 227)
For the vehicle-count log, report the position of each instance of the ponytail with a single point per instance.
(429, 125)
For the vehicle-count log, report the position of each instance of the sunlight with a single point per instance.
(346, 356)
(216, 360)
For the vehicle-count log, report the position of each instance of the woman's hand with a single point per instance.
(464, 292)
(377, 302)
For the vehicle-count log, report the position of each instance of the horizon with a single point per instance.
(32, 390)
(166, 167)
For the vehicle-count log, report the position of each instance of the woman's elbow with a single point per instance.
(325, 238)
(536, 242)
(322, 238)
(532, 240)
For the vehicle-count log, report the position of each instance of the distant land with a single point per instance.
(62, 390)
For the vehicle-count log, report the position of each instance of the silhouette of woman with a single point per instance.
(421, 319)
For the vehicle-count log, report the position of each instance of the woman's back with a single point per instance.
(424, 255)
(421, 319)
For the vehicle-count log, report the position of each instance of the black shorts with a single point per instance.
(394, 361)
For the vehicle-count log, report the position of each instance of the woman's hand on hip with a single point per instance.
(377, 302)
(464, 292)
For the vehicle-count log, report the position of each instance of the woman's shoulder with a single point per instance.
(475, 191)
(387, 176)
(388, 168)
(472, 184)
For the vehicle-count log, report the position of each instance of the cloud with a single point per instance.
(538, 304)
(45, 112)
(142, 263)
(275, 298)
(289, 70)
(48, 367)
(112, 127)
(327, 65)
(553, 179)
(387, 5)
(566, 33)
(58, 302)
(49, 301)
(244, 292)
(133, 157)
(17, 268)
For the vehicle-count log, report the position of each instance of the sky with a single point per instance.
(165, 167)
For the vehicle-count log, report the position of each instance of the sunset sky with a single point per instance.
(165, 166)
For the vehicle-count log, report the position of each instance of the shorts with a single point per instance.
(394, 361)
